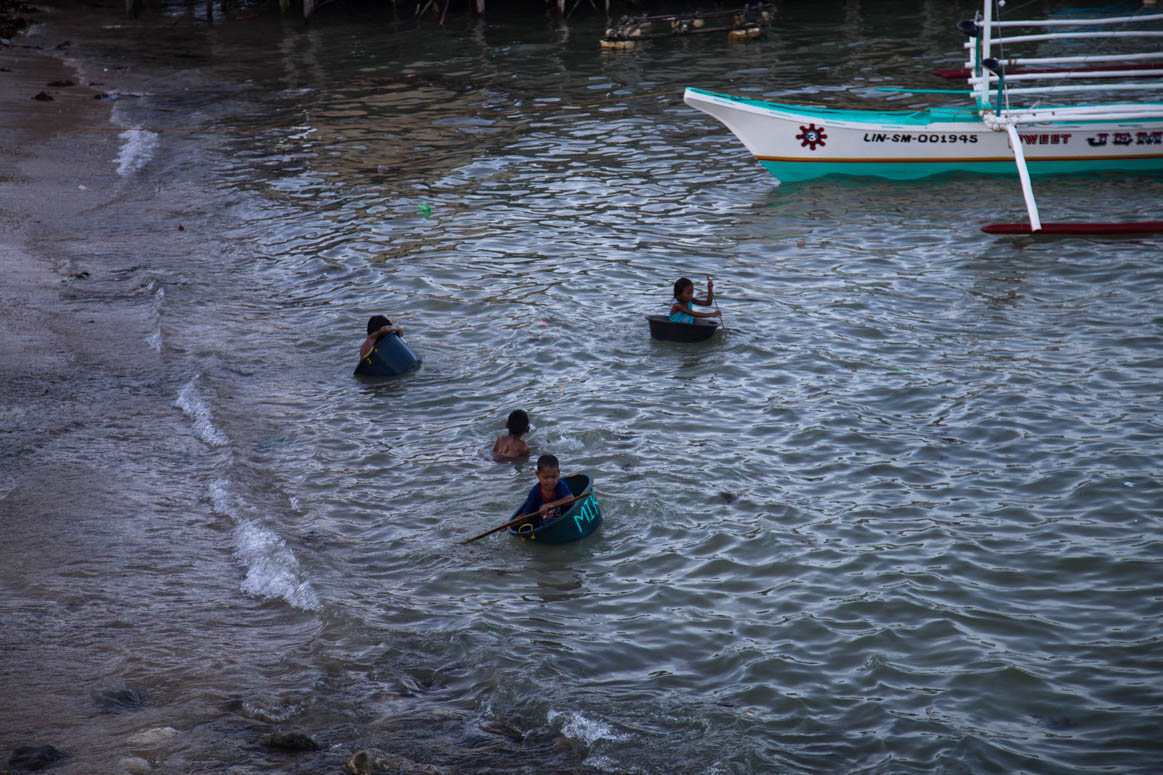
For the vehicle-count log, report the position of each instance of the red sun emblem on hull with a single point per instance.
(811, 136)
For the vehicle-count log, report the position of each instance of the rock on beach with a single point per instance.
(35, 757)
(373, 761)
(291, 741)
(152, 736)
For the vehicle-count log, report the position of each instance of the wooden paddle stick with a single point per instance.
(722, 323)
(522, 518)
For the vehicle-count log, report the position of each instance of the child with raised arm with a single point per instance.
(549, 493)
(377, 328)
(509, 445)
(681, 309)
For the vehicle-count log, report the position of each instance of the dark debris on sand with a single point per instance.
(12, 18)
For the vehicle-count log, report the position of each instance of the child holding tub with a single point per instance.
(377, 328)
(549, 493)
(509, 445)
(682, 309)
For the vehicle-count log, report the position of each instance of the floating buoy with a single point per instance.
(741, 23)
(745, 34)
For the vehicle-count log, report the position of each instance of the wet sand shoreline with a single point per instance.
(55, 170)
(74, 376)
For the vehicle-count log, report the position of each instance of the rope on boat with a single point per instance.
(740, 24)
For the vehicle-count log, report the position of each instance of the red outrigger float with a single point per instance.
(1135, 227)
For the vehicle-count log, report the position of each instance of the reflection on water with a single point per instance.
(898, 518)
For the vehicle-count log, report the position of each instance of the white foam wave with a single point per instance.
(568, 443)
(154, 340)
(221, 499)
(190, 402)
(577, 727)
(137, 148)
(272, 570)
(271, 567)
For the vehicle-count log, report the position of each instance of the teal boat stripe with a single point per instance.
(796, 171)
(962, 159)
(907, 117)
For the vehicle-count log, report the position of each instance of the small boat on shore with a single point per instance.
(579, 519)
(662, 327)
(390, 357)
(994, 135)
(740, 24)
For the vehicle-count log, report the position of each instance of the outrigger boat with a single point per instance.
(993, 136)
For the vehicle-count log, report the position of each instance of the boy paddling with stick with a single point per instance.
(545, 499)
(549, 494)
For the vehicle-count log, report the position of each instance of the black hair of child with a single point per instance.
(376, 323)
(547, 461)
(518, 422)
(679, 284)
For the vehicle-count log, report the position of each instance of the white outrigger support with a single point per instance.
(985, 71)
(1024, 175)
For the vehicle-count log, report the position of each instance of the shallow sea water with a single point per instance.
(903, 516)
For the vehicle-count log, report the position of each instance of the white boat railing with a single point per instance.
(1151, 17)
(1077, 36)
(982, 44)
(1081, 60)
(994, 102)
(1084, 87)
(1011, 77)
(1044, 115)
(1108, 113)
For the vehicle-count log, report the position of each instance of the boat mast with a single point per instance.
(984, 43)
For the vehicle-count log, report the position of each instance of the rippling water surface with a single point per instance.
(903, 516)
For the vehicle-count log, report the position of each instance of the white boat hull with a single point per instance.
(797, 143)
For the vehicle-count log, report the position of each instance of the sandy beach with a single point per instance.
(72, 351)
(55, 171)
(62, 325)
(55, 175)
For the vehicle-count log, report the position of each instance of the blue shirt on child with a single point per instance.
(535, 501)
(682, 317)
